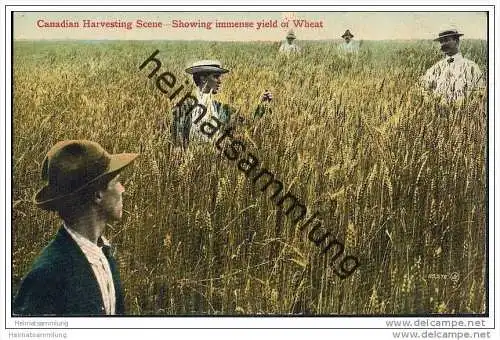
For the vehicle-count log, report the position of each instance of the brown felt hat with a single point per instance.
(73, 165)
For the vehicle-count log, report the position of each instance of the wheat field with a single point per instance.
(400, 178)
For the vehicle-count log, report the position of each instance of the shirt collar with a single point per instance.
(455, 57)
(206, 100)
(204, 97)
(92, 251)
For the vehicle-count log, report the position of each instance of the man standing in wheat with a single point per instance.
(453, 77)
(200, 117)
(349, 45)
(289, 47)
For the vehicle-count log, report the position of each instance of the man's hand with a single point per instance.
(266, 97)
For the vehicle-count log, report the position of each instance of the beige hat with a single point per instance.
(291, 35)
(73, 165)
(210, 66)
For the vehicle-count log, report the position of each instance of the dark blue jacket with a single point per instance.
(61, 282)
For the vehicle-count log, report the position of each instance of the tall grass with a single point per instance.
(400, 178)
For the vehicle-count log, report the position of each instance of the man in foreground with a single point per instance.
(76, 273)
(453, 77)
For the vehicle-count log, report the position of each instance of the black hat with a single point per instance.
(347, 33)
(448, 33)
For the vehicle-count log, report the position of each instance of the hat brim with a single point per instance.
(205, 69)
(291, 37)
(448, 35)
(47, 198)
(347, 35)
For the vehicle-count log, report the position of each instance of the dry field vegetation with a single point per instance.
(400, 179)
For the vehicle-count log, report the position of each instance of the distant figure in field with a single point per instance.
(288, 46)
(76, 273)
(453, 77)
(349, 45)
(203, 110)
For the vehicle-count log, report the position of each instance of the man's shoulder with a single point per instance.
(440, 62)
(437, 65)
(470, 62)
(184, 106)
(55, 255)
(47, 268)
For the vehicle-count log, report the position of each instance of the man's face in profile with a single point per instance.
(111, 202)
(213, 82)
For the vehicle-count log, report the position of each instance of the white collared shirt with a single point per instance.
(351, 47)
(100, 267)
(206, 99)
(453, 78)
(289, 48)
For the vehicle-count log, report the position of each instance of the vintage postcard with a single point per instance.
(298, 163)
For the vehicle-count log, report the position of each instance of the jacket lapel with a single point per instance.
(83, 289)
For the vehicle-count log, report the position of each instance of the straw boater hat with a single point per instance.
(210, 66)
(74, 165)
(448, 33)
(291, 35)
(347, 33)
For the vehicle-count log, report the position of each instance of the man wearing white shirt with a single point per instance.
(289, 47)
(453, 77)
(349, 45)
